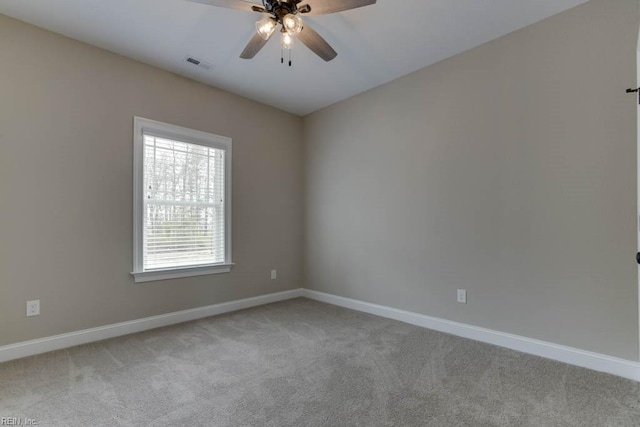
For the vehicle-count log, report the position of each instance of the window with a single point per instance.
(182, 202)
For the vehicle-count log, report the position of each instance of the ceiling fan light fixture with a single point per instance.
(286, 40)
(287, 15)
(292, 24)
(265, 27)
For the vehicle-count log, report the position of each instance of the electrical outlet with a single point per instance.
(274, 274)
(33, 308)
(462, 296)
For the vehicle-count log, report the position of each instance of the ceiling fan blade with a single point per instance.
(254, 46)
(310, 38)
(323, 7)
(232, 4)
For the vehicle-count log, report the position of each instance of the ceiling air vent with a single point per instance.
(198, 63)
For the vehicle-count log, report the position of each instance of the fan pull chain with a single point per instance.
(282, 56)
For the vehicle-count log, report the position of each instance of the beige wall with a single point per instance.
(66, 120)
(508, 170)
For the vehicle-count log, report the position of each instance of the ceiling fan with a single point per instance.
(286, 14)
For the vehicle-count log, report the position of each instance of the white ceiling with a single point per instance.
(375, 44)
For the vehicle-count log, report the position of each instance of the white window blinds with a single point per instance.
(183, 204)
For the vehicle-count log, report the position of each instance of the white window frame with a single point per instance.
(178, 133)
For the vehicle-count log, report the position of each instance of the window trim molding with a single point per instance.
(140, 125)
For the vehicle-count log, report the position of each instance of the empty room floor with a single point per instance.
(304, 363)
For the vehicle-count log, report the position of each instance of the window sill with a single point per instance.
(177, 273)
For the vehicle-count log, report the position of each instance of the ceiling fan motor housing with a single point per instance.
(281, 8)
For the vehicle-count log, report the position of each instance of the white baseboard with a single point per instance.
(57, 342)
(586, 359)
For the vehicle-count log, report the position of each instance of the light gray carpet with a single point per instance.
(303, 363)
